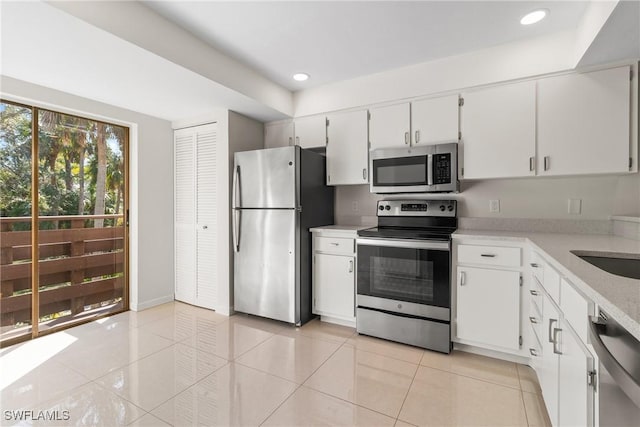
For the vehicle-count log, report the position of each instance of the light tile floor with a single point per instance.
(181, 365)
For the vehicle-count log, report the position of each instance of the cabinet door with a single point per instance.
(334, 283)
(311, 132)
(347, 149)
(434, 120)
(196, 215)
(278, 134)
(184, 215)
(206, 182)
(499, 131)
(575, 394)
(488, 309)
(548, 372)
(583, 123)
(390, 126)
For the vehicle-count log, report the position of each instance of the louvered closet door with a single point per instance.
(206, 217)
(184, 214)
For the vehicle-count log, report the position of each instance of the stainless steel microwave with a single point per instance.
(424, 169)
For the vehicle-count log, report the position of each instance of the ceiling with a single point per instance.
(340, 40)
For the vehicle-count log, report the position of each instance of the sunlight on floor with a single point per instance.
(26, 357)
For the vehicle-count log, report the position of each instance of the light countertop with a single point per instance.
(618, 296)
(340, 228)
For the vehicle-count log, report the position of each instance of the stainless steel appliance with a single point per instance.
(427, 168)
(278, 194)
(619, 372)
(404, 273)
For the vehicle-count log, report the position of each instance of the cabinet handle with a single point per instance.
(533, 352)
(364, 174)
(297, 140)
(462, 278)
(534, 293)
(204, 227)
(534, 265)
(531, 163)
(406, 137)
(335, 244)
(551, 322)
(290, 141)
(350, 266)
(547, 162)
(417, 136)
(533, 319)
(488, 255)
(556, 341)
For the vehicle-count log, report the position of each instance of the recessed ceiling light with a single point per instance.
(300, 77)
(533, 17)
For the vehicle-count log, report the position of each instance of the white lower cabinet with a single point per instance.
(548, 371)
(488, 307)
(334, 273)
(575, 395)
(565, 366)
(334, 279)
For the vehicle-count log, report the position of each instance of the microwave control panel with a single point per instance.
(442, 168)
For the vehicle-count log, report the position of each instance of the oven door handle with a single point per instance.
(410, 244)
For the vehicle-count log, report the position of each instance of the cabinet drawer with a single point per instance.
(535, 320)
(575, 308)
(551, 283)
(535, 294)
(537, 267)
(335, 245)
(489, 255)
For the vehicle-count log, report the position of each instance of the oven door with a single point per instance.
(405, 276)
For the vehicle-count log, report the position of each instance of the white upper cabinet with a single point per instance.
(434, 120)
(390, 126)
(424, 122)
(311, 132)
(347, 148)
(278, 134)
(584, 123)
(499, 131)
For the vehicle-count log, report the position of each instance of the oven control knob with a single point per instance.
(450, 208)
(388, 207)
(442, 208)
(381, 207)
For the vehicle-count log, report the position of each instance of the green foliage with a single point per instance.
(67, 164)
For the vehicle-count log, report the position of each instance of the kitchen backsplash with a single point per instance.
(627, 226)
(537, 198)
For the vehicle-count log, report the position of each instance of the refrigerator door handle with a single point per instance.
(236, 229)
(236, 186)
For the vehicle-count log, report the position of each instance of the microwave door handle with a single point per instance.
(430, 169)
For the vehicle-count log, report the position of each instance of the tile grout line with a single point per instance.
(182, 391)
(344, 400)
(473, 378)
(408, 391)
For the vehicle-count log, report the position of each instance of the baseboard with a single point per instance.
(491, 353)
(338, 321)
(152, 303)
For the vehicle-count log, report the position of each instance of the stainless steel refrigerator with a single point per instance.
(277, 195)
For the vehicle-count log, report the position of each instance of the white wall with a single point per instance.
(511, 61)
(546, 198)
(151, 186)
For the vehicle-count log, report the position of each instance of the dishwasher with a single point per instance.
(619, 372)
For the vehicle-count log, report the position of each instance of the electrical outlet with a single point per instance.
(574, 206)
(494, 206)
(354, 206)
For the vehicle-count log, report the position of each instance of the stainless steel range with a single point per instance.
(404, 273)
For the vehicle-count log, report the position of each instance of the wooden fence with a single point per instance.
(79, 266)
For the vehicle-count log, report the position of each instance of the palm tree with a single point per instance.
(101, 175)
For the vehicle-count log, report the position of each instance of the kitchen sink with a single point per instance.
(618, 264)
